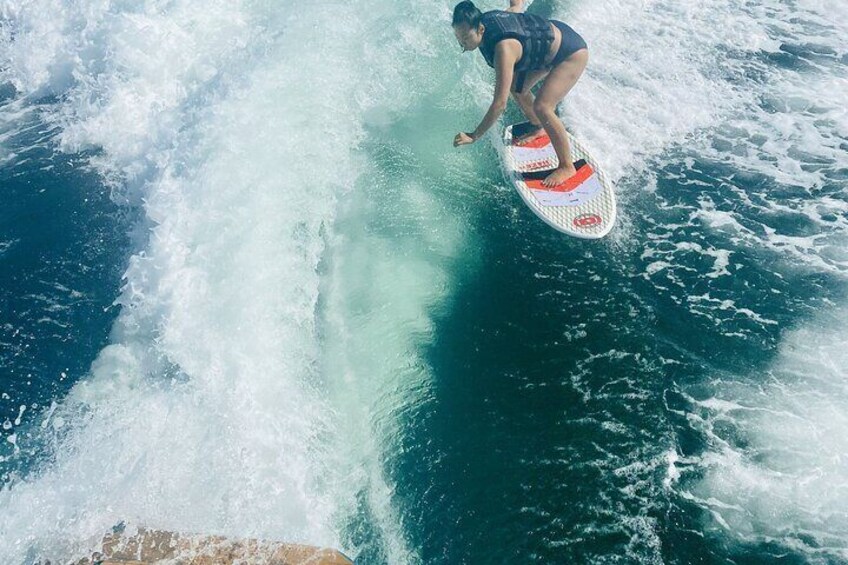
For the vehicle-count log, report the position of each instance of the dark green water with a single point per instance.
(564, 374)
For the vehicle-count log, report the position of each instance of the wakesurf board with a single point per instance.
(583, 206)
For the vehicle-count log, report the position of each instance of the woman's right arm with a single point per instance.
(506, 55)
(515, 6)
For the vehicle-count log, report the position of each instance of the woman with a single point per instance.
(524, 49)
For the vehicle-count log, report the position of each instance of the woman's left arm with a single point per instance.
(505, 58)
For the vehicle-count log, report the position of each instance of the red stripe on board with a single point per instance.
(583, 174)
(534, 143)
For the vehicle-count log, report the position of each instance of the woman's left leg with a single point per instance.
(525, 101)
(556, 86)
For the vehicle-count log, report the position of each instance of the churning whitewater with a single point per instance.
(249, 288)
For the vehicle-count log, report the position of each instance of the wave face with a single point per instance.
(335, 329)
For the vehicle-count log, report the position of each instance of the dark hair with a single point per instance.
(466, 13)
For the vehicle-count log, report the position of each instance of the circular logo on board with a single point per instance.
(585, 221)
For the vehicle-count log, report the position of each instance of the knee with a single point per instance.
(542, 108)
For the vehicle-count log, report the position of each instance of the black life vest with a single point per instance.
(534, 33)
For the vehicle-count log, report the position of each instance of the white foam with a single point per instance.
(667, 80)
(236, 126)
(788, 480)
(671, 80)
(650, 81)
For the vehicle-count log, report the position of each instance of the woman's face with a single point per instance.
(469, 38)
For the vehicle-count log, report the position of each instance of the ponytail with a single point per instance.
(466, 13)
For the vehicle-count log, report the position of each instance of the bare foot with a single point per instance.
(559, 176)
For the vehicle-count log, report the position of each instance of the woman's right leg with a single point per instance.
(558, 84)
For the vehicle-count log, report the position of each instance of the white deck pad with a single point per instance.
(583, 206)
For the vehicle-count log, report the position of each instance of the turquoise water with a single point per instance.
(250, 289)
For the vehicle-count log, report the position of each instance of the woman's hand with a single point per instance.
(463, 139)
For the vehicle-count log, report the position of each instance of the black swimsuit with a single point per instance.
(571, 43)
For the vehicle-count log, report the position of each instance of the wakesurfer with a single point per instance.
(524, 49)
